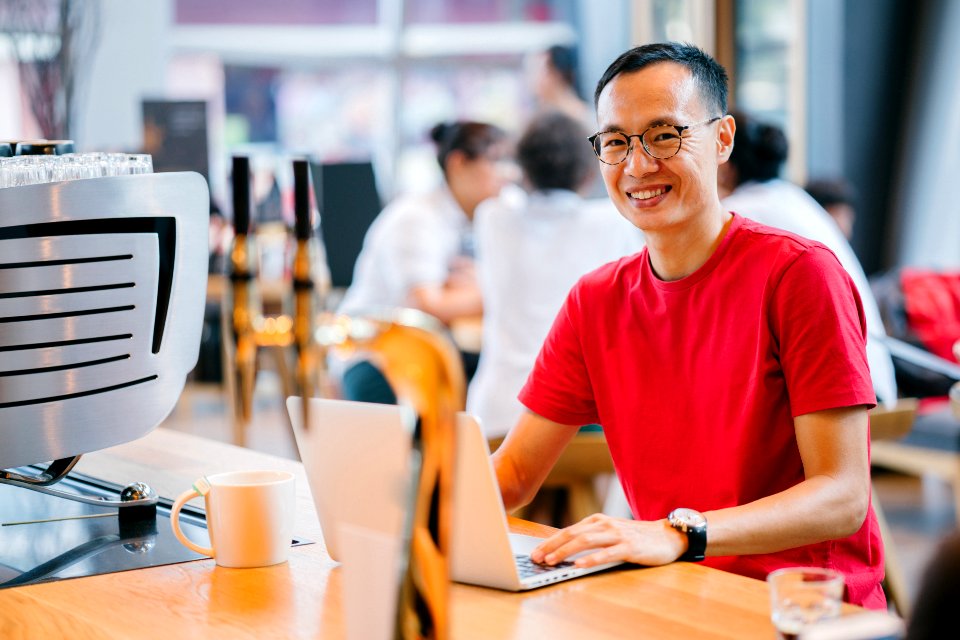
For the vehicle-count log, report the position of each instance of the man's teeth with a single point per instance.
(646, 195)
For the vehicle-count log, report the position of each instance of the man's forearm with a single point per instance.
(818, 509)
(830, 503)
(512, 489)
(526, 456)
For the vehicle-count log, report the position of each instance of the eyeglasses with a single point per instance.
(660, 141)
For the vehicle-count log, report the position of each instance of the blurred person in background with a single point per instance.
(417, 253)
(553, 79)
(519, 237)
(750, 185)
(838, 198)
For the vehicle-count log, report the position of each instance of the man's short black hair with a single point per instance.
(554, 154)
(708, 73)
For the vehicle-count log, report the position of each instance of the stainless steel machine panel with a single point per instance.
(102, 291)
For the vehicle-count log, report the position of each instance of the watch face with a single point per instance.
(690, 518)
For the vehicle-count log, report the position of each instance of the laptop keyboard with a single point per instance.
(528, 567)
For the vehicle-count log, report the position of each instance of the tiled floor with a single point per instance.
(920, 511)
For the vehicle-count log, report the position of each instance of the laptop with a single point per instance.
(367, 445)
(356, 456)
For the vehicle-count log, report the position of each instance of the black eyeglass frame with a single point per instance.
(643, 143)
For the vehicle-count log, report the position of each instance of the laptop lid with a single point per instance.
(356, 456)
(480, 547)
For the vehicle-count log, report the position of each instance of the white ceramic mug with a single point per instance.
(249, 517)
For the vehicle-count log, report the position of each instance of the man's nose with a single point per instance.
(638, 161)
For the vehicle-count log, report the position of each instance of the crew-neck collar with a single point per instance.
(705, 269)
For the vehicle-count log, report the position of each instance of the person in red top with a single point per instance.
(726, 361)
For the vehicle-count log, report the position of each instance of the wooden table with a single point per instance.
(302, 598)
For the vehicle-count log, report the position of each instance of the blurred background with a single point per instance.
(867, 90)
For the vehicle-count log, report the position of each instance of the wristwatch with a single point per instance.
(694, 525)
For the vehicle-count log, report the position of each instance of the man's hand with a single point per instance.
(646, 543)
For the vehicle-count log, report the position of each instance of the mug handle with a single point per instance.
(200, 488)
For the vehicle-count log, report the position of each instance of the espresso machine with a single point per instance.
(102, 288)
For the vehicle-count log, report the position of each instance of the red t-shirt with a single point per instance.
(696, 382)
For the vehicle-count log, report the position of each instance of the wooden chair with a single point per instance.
(584, 460)
(886, 427)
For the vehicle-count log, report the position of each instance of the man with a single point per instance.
(725, 361)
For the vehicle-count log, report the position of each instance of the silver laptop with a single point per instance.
(356, 455)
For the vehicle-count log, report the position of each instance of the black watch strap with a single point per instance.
(696, 533)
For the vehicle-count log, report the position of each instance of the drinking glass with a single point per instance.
(801, 596)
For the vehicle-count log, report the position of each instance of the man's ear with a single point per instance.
(725, 135)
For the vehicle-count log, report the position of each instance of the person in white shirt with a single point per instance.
(417, 251)
(532, 246)
(749, 185)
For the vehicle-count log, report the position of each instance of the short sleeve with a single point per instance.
(818, 319)
(558, 387)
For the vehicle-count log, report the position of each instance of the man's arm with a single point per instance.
(527, 455)
(830, 503)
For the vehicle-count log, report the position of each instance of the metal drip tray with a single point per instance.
(45, 538)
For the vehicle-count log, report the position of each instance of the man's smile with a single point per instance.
(649, 196)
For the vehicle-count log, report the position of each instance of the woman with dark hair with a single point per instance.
(417, 251)
(519, 238)
(410, 248)
(750, 185)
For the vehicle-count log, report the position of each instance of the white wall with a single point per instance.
(129, 64)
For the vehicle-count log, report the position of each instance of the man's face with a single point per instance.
(659, 194)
